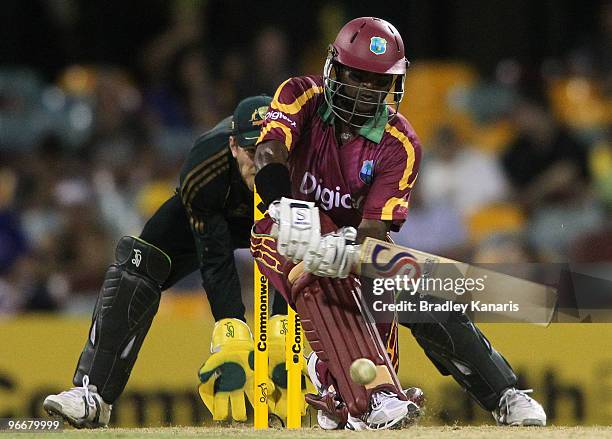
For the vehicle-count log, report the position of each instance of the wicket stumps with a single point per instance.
(293, 362)
(293, 351)
(260, 323)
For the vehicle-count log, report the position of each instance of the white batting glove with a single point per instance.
(335, 254)
(299, 228)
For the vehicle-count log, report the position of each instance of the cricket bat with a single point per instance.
(378, 259)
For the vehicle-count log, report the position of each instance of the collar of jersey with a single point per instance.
(373, 130)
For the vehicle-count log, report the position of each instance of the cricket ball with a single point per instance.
(363, 371)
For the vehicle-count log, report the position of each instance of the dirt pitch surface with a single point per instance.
(249, 432)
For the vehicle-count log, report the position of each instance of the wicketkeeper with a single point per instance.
(336, 163)
(198, 228)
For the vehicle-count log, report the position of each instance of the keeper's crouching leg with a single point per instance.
(458, 348)
(126, 305)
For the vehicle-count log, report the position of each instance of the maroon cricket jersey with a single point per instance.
(369, 177)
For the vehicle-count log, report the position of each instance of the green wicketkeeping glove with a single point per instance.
(228, 373)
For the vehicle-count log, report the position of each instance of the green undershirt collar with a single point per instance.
(373, 130)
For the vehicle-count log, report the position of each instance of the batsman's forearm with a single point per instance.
(271, 151)
(376, 229)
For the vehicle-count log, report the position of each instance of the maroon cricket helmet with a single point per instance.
(373, 45)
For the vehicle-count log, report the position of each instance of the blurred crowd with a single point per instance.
(517, 164)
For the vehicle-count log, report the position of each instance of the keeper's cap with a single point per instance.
(248, 119)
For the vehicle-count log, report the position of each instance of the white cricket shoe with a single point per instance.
(81, 407)
(518, 409)
(325, 421)
(386, 410)
(355, 424)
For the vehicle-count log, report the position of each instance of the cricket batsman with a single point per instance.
(197, 228)
(336, 163)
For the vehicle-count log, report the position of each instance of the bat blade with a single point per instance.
(378, 259)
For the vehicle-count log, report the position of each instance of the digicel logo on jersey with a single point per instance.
(328, 198)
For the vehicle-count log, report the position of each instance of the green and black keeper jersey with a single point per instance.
(211, 185)
(209, 217)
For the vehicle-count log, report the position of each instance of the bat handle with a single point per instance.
(357, 259)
